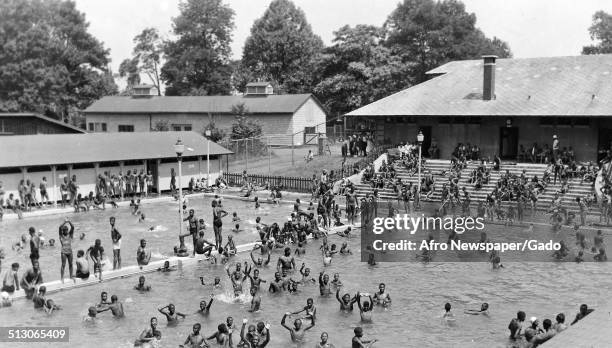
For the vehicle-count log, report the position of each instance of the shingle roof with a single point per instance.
(258, 84)
(38, 150)
(557, 86)
(269, 104)
(44, 118)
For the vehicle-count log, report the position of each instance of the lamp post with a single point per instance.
(420, 138)
(179, 148)
(208, 134)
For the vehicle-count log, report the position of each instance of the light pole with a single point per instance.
(208, 134)
(420, 138)
(179, 148)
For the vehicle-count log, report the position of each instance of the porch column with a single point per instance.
(158, 163)
(200, 166)
(54, 183)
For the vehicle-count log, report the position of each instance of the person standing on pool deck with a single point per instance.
(194, 227)
(218, 215)
(66, 236)
(116, 238)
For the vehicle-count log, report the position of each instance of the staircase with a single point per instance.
(576, 189)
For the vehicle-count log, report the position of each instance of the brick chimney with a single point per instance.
(488, 82)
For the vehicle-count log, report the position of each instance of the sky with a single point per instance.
(532, 28)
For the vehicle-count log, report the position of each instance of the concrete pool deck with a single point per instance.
(145, 200)
(591, 332)
(135, 270)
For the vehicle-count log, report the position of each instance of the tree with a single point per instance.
(197, 62)
(358, 69)
(49, 62)
(216, 134)
(431, 33)
(281, 48)
(601, 32)
(129, 70)
(161, 126)
(243, 126)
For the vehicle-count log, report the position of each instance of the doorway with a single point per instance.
(426, 141)
(605, 143)
(508, 143)
(152, 167)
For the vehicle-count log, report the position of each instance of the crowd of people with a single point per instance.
(291, 237)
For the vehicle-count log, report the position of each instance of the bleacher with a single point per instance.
(576, 189)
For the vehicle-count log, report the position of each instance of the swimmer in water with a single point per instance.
(171, 314)
(297, 331)
(310, 309)
(306, 277)
(195, 339)
(259, 262)
(103, 300)
(205, 308)
(382, 297)
(300, 250)
(484, 309)
(358, 342)
(448, 315)
(216, 284)
(256, 280)
(278, 284)
(115, 307)
(345, 249)
(286, 262)
(237, 278)
(91, 315)
(336, 282)
(324, 343)
(235, 217)
(166, 267)
(141, 285)
(324, 284)
(365, 309)
(346, 302)
(222, 335)
(149, 335)
(255, 300)
(236, 229)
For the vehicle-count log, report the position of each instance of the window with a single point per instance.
(96, 127)
(126, 128)
(181, 127)
(310, 130)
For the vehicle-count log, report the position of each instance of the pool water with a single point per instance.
(418, 290)
(164, 215)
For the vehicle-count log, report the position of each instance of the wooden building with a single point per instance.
(501, 104)
(87, 155)
(285, 118)
(31, 123)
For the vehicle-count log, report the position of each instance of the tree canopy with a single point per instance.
(198, 61)
(49, 62)
(358, 69)
(601, 32)
(430, 33)
(281, 48)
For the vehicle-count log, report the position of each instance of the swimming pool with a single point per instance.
(419, 292)
(164, 215)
